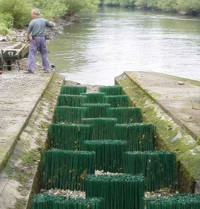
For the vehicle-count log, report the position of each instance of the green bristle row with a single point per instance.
(125, 114)
(118, 101)
(94, 97)
(66, 169)
(71, 100)
(69, 114)
(73, 90)
(45, 201)
(66, 136)
(189, 201)
(140, 137)
(111, 90)
(121, 191)
(159, 168)
(109, 154)
(96, 110)
(103, 128)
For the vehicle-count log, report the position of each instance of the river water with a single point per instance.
(115, 40)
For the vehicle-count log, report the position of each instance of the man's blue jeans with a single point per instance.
(38, 44)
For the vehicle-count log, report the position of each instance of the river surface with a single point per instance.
(114, 40)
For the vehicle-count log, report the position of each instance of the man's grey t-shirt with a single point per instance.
(38, 25)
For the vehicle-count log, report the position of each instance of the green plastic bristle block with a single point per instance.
(68, 136)
(66, 169)
(96, 110)
(121, 191)
(71, 100)
(73, 90)
(189, 201)
(45, 201)
(125, 114)
(95, 97)
(109, 154)
(69, 114)
(103, 128)
(111, 90)
(159, 168)
(118, 101)
(140, 137)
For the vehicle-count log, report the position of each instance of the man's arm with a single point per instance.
(28, 37)
(50, 24)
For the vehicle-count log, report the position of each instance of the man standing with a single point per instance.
(36, 37)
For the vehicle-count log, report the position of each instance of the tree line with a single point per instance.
(183, 6)
(16, 13)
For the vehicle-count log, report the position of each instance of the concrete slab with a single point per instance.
(179, 97)
(165, 103)
(19, 94)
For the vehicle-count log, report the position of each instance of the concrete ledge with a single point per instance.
(19, 96)
(170, 135)
(19, 178)
(178, 97)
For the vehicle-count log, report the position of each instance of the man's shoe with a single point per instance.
(28, 72)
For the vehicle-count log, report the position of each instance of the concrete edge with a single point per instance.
(37, 176)
(9, 152)
(174, 139)
(173, 116)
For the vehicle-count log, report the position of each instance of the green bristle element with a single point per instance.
(118, 101)
(45, 201)
(103, 128)
(69, 114)
(119, 191)
(96, 110)
(111, 90)
(109, 154)
(68, 136)
(71, 100)
(189, 201)
(73, 90)
(66, 169)
(95, 97)
(159, 168)
(125, 114)
(140, 137)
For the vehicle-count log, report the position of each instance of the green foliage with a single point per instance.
(51, 8)
(167, 5)
(188, 5)
(6, 23)
(141, 3)
(75, 6)
(18, 9)
(123, 3)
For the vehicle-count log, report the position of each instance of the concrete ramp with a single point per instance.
(172, 104)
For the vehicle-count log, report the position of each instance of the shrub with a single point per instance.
(167, 5)
(51, 8)
(75, 6)
(6, 23)
(18, 9)
(188, 5)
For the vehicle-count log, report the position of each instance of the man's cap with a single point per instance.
(36, 11)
